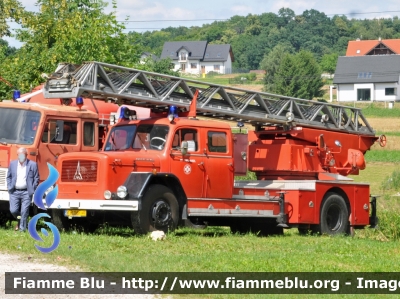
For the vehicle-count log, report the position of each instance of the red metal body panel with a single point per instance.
(305, 151)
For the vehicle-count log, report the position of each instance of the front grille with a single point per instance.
(79, 171)
(3, 175)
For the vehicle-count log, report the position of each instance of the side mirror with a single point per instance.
(59, 131)
(184, 148)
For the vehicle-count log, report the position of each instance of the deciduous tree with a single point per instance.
(66, 31)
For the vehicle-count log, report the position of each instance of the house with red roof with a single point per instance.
(373, 47)
(370, 71)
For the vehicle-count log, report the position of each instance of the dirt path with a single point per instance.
(14, 263)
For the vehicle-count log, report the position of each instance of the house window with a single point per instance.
(364, 94)
(364, 75)
(216, 67)
(206, 55)
(183, 56)
(193, 65)
(219, 55)
(390, 91)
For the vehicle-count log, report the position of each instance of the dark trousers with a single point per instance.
(20, 202)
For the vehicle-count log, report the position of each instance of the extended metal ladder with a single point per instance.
(140, 88)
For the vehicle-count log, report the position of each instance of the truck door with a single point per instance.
(190, 168)
(219, 164)
(58, 137)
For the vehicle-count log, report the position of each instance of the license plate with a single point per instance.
(75, 213)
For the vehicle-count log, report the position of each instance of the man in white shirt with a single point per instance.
(22, 181)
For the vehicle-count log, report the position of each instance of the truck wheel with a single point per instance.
(334, 218)
(160, 211)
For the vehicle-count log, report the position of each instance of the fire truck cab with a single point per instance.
(48, 128)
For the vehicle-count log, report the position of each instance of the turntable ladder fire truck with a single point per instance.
(173, 166)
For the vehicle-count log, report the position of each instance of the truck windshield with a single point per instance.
(120, 138)
(18, 126)
(151, 137)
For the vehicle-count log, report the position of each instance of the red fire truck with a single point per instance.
(48, 128)
(172, 166)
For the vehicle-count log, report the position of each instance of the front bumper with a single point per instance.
(95, 204)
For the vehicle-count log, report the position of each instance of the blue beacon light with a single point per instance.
(172, 113)
(79, 102)
(16, 95)
(122, 113)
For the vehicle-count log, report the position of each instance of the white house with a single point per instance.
(199, 57)
(367, 78)
(146, 55)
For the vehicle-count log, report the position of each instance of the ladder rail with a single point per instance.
(131, 86)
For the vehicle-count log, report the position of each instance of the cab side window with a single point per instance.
(88, 134)
(51, 130)
(189, 135)
(217, 142)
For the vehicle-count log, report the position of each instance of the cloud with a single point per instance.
(152, 10)
(241, 9)
(297, 6)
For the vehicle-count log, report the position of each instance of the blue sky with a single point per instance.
(155, 13)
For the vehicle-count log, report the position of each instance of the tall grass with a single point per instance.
(392, 156)
(373, 110)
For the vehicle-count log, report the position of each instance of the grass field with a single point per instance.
(218, 250)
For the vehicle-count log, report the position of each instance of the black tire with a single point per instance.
(194, 223)
(334, 217)
(160, 211)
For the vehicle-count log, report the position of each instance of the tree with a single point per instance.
(66, 31)
(271, 64)
(328, 62)
(10, 9)
(299, 76)
(162, 66)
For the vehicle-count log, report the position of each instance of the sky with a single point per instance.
(156, 14)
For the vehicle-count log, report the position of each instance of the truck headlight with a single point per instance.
(107, 194)
(122, 192)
